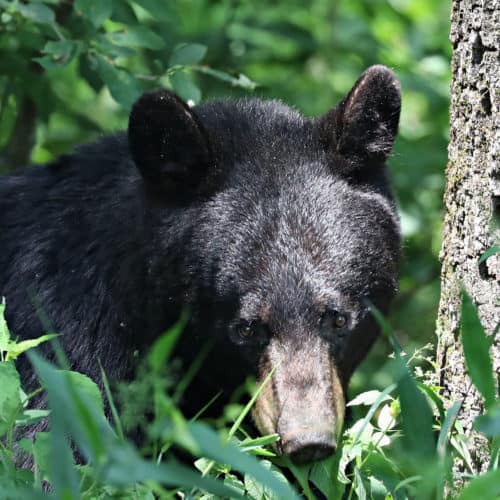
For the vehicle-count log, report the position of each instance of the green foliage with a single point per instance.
(10, 398)
(57, 59)
(397, 449)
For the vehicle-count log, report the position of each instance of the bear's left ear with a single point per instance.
(361, 130)
(168, 144)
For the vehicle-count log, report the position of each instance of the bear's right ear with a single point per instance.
(360, 131)
(167, 142)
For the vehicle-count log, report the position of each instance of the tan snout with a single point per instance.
(303, 402)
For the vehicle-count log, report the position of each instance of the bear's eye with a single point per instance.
(251, 333)
(246, 330)
(339, 320)
(334, 320)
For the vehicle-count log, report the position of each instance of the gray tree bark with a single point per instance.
(471, 200)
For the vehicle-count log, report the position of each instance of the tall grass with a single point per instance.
(402, 445)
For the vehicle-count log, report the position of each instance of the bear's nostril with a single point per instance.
(309, 448)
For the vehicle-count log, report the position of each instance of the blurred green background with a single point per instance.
(70, 70)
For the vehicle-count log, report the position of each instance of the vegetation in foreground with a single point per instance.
(401, 444)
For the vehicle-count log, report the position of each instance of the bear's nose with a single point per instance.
(308, 447)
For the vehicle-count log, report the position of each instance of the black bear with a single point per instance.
(275, 229)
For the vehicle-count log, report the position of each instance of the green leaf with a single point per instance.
(16, 349)
(324, 475)
(257, 444)
(476, 345)
(123, 13)
(377, 488)
(434, 397)
(386, 329)
(30, 417)
(244, 82)
(257, 490)
(483, 487)
(59, 48)
(4, 331)
(239, 81)
(58, 53)
(367, 398)
(10, 398)
(41, 452)
(159, 9)
(416, 415)
(187, 54)
(373, 408)
(489, 424)
(249, 405)
(358, 485)
(36, 12)
(63, 476)
(112, 406)
(126, 467)
(185, 87)
(11, 490)
(96, 11)
(110, 50)
(163, 347)
(213, 446)
(75, 413)
(235, 483)
(137, 36)
(415, 410)
(88, 71)
(85, 386)
(123, 87)
(448, 424)
(486, 255)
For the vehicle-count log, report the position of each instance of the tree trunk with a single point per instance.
(471, 198)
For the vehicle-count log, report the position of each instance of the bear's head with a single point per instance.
(294, 235)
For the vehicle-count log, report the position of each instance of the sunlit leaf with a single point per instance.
(10, 399)
(4, 331)
(17, 348)
(30, 417)
(367, 398)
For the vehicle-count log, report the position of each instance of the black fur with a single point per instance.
(244, 210)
